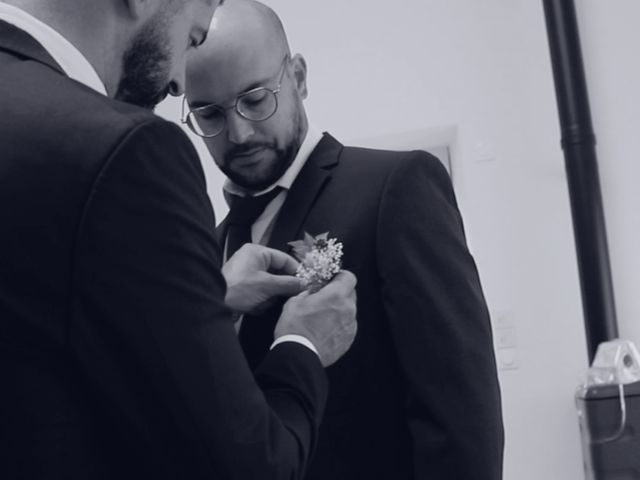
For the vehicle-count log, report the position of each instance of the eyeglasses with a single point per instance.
(256, 105)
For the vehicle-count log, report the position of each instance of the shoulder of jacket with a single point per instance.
(386, 160)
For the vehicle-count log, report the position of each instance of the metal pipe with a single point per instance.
(578, 142)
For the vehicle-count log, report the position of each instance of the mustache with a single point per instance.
(243, 149)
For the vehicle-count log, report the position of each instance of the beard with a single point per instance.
(146, 66)
(270, 169)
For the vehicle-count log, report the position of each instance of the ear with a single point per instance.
(299, 66)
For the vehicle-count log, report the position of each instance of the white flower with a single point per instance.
(320, 259)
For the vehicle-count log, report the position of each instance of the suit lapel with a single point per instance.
(314, 175)
(304, 192)
(256, 333)
(221, 232)
(20, 43)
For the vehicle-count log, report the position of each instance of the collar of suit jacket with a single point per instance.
(295, 203)
(309, 183)
(26, 35)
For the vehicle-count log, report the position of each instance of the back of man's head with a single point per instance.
(137, 47)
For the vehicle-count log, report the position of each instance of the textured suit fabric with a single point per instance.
(118, 357)
(417, 396)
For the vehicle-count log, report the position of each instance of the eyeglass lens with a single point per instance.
(256, 105)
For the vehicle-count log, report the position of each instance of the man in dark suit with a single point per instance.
(417, 396)
(118, 355)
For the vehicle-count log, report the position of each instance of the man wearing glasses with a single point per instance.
(417, 397)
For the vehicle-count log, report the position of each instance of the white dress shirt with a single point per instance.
(72, 62)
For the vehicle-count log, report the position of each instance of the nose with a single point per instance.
(239, 129)
(178, 79)
(176, 88)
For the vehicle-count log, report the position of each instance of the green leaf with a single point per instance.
(300, 249)
(309, 240)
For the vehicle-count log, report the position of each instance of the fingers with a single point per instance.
(275, 260)
(353, 296)
(283, 285)
(343, 280)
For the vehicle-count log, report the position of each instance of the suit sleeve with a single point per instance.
(153, 335)
(440, 326)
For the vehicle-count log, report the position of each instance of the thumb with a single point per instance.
(285, 285)
(277, 261)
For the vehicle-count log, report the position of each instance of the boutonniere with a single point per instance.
(320, 259)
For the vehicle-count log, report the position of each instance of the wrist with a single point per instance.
(296, 339)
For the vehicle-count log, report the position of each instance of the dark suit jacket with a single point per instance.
(118, 358)
(417, 395)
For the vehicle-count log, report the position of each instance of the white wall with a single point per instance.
(483, 67)
(610, 41)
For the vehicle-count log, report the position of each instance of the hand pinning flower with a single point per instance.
(320, 259)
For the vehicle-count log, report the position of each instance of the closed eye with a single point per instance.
(209, 113)
(255, 98)
(196, 42)
(203, 39)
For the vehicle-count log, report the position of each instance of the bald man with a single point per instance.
(417, 396)
(118, 354)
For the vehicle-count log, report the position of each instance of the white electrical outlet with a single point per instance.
(507, 358)
(505, 340)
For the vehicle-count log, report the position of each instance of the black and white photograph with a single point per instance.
(296, 240)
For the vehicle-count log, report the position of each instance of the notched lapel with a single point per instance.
(19, 42)
(304, 192)
(221, 232)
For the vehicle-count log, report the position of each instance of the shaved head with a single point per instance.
(247, 49)
(247, 23)
(243, 29)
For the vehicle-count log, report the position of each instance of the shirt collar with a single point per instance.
(74, 63)
(310, 142)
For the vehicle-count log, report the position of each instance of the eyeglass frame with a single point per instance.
(275, 92)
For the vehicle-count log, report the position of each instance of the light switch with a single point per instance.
(507, 358)
(505, 338)
(503, 320)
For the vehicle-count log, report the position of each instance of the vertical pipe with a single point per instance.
(578, 143)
